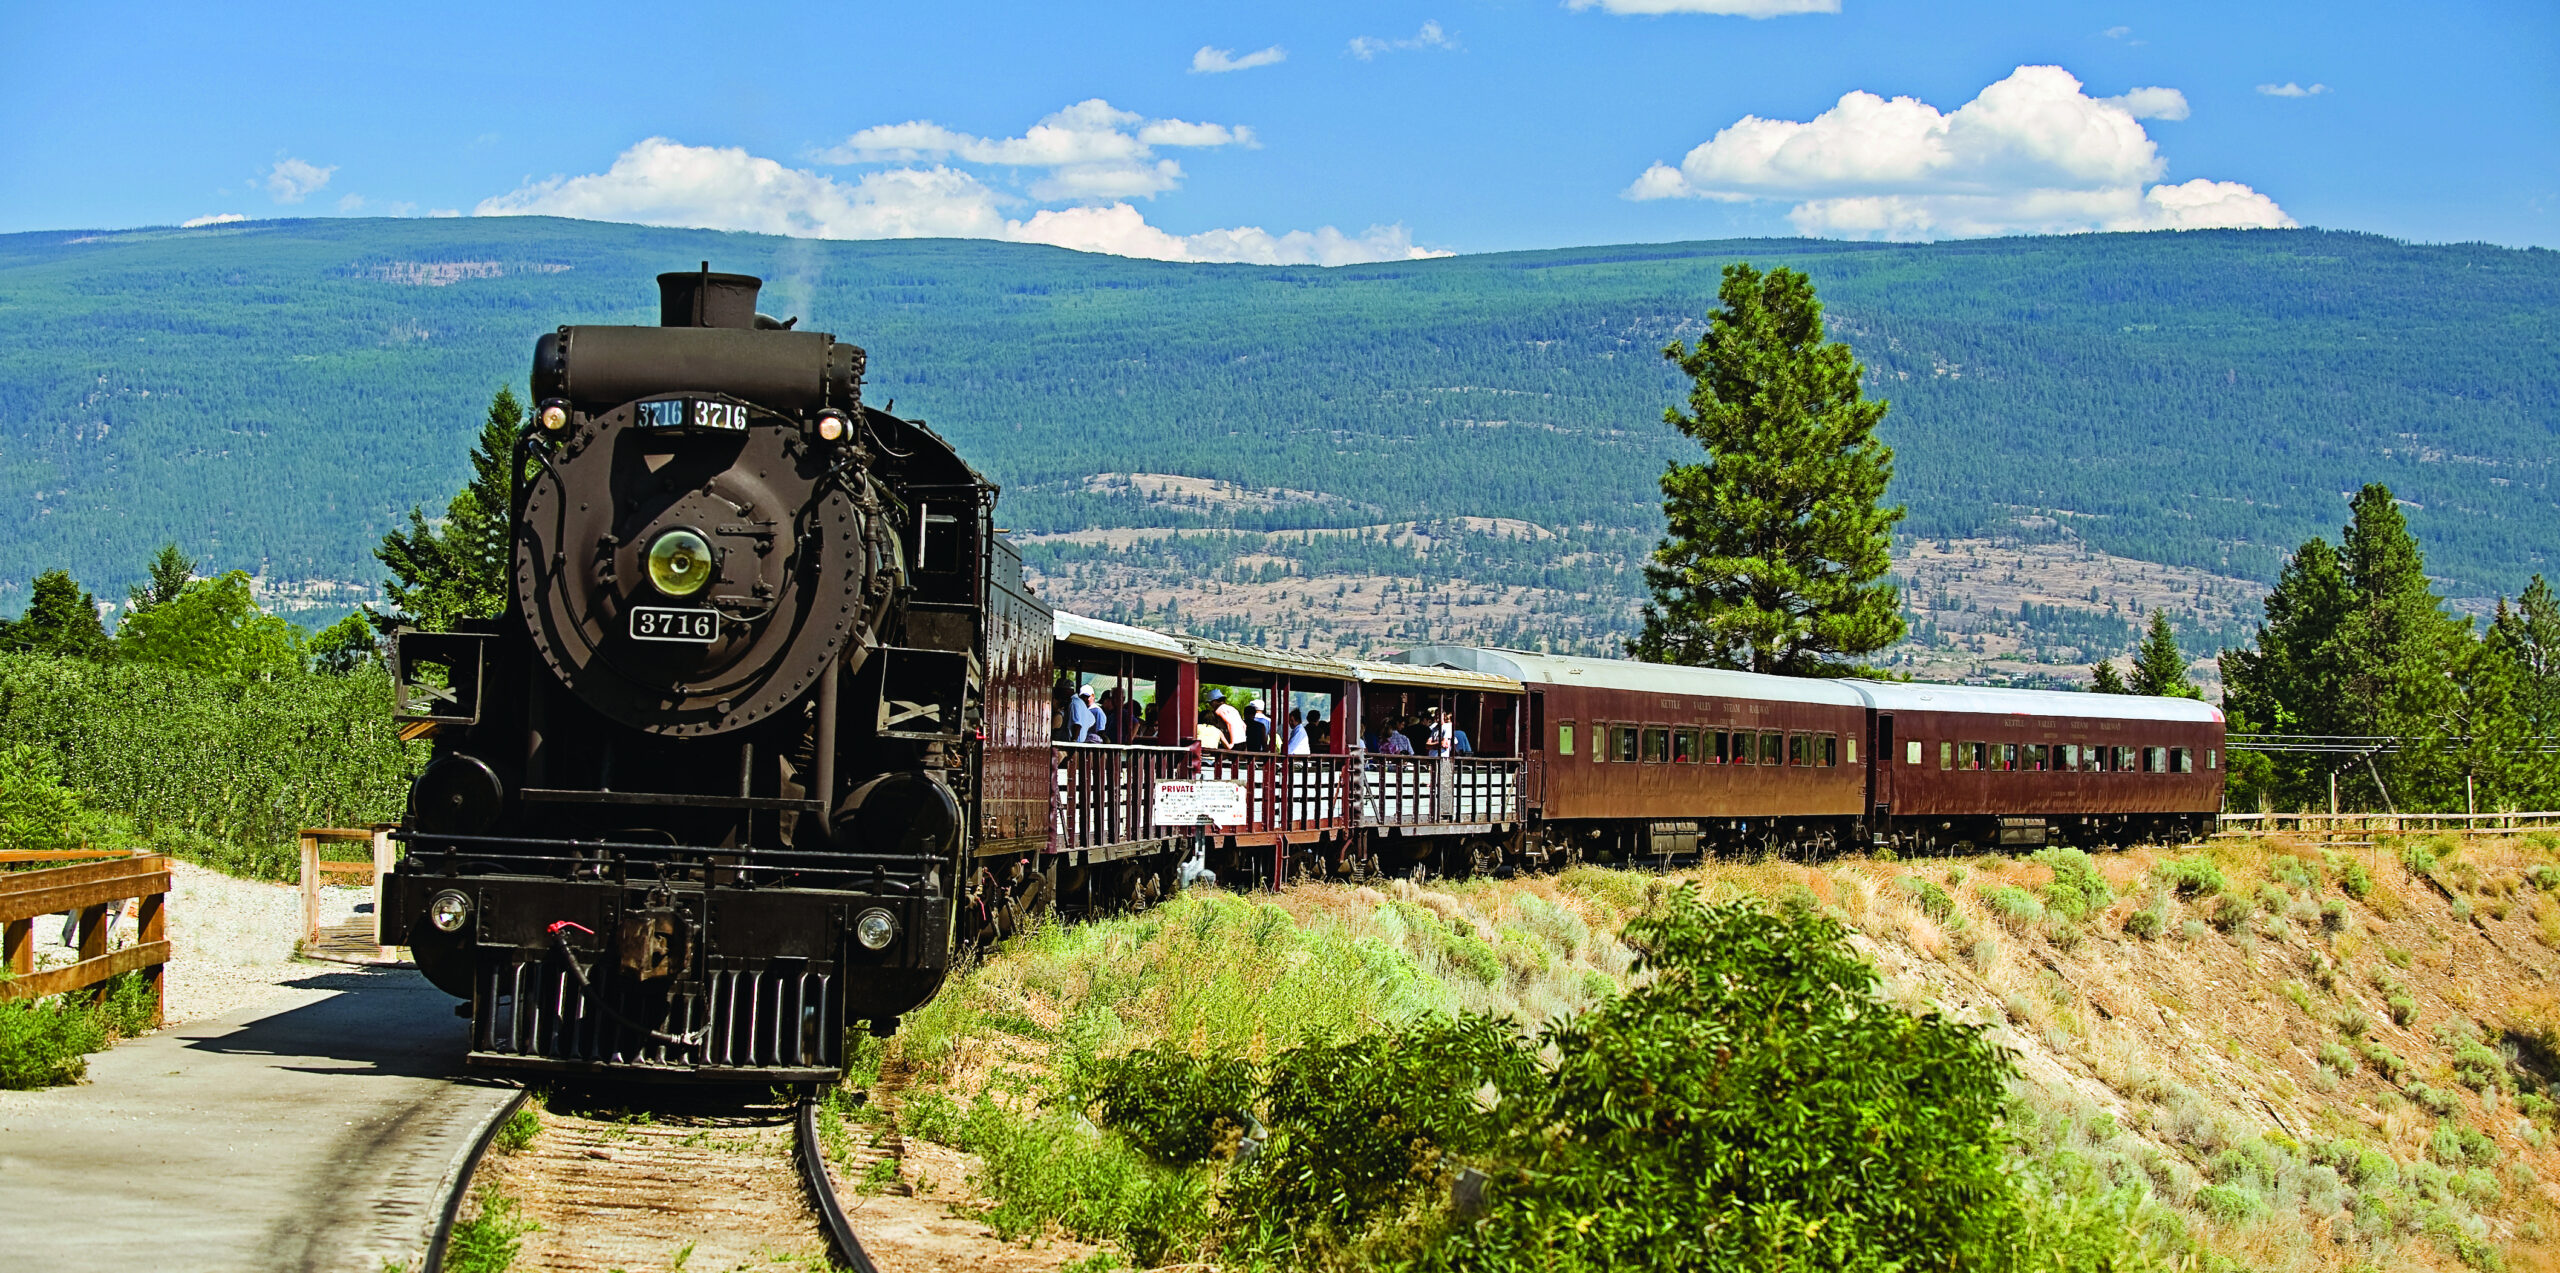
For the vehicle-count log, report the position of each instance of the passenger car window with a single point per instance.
(1564, 738)
(1724, 749)
(1830, 750)
(1773, 749)
(1684, 747)
(2212, 757)
(1657, 746)
(1911, 752)
(2008, 757)
(2155, 760)
(1623, 740)
(1946, 755)
(2181, 761)
(1799, 749)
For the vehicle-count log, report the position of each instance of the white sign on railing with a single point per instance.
(1188, 804)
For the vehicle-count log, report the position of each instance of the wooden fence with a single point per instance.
(2384, 823)
(340, 944)
(87, 890)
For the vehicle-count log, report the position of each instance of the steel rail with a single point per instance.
(822, 1191)
(443, 1234)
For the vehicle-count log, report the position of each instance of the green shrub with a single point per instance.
(2354, 880)
(2013, 906)
(2352, 1021)
(2229, 1204)
(2477, 1066)
(2272, 898)
(1931, 899)
(1175, 1107)
(2403, 1009)
(2193, 930)
(2544, 877)
(2077, 890)
(2337, 1059)
(2150, 921)
(2333, 916)
(2194, 876)
(489, 1240)
(517, 1133)
(2229, 913)
(2422, 857)
(2382, 1059)
(2294, 873)
(1050, 1167)
(2435, 1101)
(44, 1042)
(2455, 1145)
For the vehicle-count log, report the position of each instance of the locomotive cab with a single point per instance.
(699, 797)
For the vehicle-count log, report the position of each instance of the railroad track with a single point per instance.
(688, 1180)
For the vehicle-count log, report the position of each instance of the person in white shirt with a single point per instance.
(1230, 721)
(1298, 735)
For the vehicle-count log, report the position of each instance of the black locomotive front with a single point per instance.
(699, 798)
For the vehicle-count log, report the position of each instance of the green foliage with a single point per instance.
(43, 1042)
(2403, 1009)
(2013, 906)
(456, 567)
(488, 1240)
(214, 768)
(2337, 1059)
(2434, 1100)
(1175, 1107)
(344, 646)
(213, 627)
(2230, 912)
(2355, 881)
(2104, 679)
(2151, 921)
(2077, 890)
(1049, 1167)
(516, 1134)
(2477, 1066)
(2159, 667)
(163, 580)
(1777, 544)
(61, 619)
(36, 810)
(2194, 876)
(1926, 895)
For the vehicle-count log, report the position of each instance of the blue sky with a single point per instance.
(1374, 130)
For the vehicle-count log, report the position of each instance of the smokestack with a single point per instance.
(700, 298)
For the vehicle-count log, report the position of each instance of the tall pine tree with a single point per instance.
(1778, 541)
(456, 568)
(61, 618)
(2159, 666)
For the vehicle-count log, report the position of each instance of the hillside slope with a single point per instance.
(275, 394)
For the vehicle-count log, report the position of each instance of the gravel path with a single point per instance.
(231, 940)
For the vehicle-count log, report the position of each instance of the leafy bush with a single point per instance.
(1051, 1167)
(44, 1042)
(2435, 1101)
(2077, 890)
(2422, 857)
(2333, 916)
(2353, 1022)
(2455, 1145)
(2194, 876)
(36, 810)
(2337, 1059)
(2013, 906)
(1175, 1107)
(2229, 913)
(2272, 898)
(2477, 1066)
(2382, 1059)
(2229, 1204)
(2193, 930)
(2544, 877)
(2149, 922)
(2403, 1009)
(2354, 880)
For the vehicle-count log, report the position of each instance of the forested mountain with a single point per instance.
(273, 395)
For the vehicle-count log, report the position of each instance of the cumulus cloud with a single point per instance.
(218, 218)
(1728, 8)
(2032, 154)
(293, 180)
(1431, 36)
(2291, 89)
(1091, 150)
(1209, 61)
(664, 182)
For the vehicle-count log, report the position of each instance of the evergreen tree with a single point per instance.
(2103, 679)
(456, 568)
(216, 627)
(170, 571)
(61, 619)
(1777, 543)
(2159, 666)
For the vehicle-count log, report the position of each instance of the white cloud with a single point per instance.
(218, 218)
(293, 180)
(1209, 61)
(351, 203)
(1431, 36)
(2151, 103)
(2117, 33)
(663, 182)
(1092, 150)
(2291, 89)
(1728, 8)
(2032, 154)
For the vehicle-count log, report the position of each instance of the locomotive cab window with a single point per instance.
(1622, 744)
(1684, 746)
(1657, 746)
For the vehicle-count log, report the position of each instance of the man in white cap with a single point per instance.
(1085, 718)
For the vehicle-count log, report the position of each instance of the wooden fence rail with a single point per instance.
(87, 890)
(2386, 823)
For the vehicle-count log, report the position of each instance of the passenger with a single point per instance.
(1083, 718)
(1110, 706)
(1134, 723)
(1435, 737)
(1319, 732)
(1151, 726)
(1393, 741)
(1459, 744)
(1229, 722)
(1210, 735)
(1257, 727)
(1298, 743)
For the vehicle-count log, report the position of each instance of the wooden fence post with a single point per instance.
(151, 921)
(310, 887)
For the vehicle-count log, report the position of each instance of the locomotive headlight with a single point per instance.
(449, 911)
(679, 563)
(875, 929)
(832, 427)
(554, 417)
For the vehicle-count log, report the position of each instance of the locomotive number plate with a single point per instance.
(657, 623)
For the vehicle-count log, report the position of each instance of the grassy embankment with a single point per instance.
(2297, 1058)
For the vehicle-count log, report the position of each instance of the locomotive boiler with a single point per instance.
(701, 799)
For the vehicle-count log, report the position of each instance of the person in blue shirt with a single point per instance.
(1083, 718)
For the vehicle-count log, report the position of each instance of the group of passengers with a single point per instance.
(1431, 732)
(1222, 727)
(1111, 718)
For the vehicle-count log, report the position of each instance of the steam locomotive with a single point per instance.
(700, 800)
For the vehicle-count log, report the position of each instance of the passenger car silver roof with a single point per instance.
(1075, 629)
(1627, 674)
(1914, 696)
